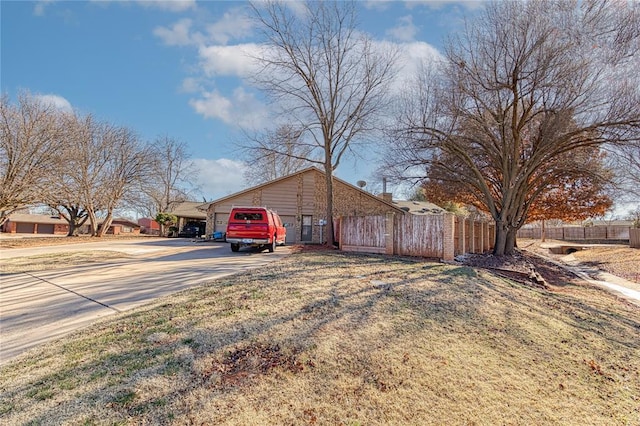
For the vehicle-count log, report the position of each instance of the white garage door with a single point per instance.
(220, 222)
(290, 223)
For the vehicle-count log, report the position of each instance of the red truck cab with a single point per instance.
(255, 226)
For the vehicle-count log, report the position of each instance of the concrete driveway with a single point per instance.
(37, 307)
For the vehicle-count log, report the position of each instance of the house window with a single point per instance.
(307, 228)
(127, 229)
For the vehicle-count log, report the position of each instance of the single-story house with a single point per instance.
(190, 212)
(121, 226)
(149, 226)
(24, 223)
(300, 200)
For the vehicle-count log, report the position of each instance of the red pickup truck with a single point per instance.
(255, 226)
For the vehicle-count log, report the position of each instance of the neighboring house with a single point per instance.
(23, 223)
(149, 226)
(190, 212)
(123, 227)
(419, 207)
(300, 200)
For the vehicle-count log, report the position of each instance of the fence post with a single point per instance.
(448, 243)
(389, 225)
(463, 235)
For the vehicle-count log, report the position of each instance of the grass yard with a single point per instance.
(331, 338)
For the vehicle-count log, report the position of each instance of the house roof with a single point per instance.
(190, 209)
(37, 218)
(123, 221)
(303, 171)
(419, 207)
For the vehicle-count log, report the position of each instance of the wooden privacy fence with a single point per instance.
(436, 236)
(598, 232)
(634, 237)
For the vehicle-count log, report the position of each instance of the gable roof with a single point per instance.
(37, 218)
(419, 207)
(301, 172)
(190, 209)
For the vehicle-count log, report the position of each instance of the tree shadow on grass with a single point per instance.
(238, 329)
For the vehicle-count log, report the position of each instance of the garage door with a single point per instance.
(24, 228)
(290, 223)
(45, 228)
(220, 222)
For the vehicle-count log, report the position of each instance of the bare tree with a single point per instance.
(171, 174)
(328, 79)
(125, 167)
(277, 153)
(624, 161)
(29, 136)
(526, 84)
(103, 162)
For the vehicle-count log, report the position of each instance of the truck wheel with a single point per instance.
(235, 247)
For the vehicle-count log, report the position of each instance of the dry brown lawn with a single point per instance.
(56, 261)
(329, 338)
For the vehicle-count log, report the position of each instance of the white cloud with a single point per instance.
(415, 54)
(56, 101)
(169, 5)
(178, 34)
(228, 60)
(405, 30)
(221, 177)
(377, 4)
(40, 6)
(242, 109)
(213, 105)
(439, 4)
(234, 24)
(190, 85)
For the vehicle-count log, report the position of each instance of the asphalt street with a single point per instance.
(37, 307)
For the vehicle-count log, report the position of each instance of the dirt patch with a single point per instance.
(523, 267)
(621, 261)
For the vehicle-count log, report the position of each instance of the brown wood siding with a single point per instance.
(281, 197)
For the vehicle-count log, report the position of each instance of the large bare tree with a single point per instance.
(525, 85)
(170, 180)
(325, 77)
(275, 154)
(29, 137)
(125, 168)
(103, 163)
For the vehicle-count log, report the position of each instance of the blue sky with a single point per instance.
(177, 68)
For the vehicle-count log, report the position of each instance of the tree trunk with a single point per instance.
(94, 222)
(543, 236)
(106, 224)
(505, 240)
(328, 172)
